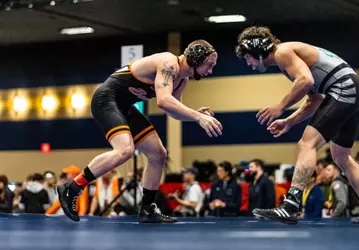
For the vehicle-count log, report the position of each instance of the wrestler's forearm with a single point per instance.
(306, 110)
(301, 87)
(177, 110)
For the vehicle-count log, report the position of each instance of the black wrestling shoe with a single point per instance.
(286, 213)
(151, 214)
(68, 198)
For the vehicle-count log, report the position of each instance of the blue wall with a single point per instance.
(68, 63)
(91, 61)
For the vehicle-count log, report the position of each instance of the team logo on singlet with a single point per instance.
(329, 53)
(139, 93)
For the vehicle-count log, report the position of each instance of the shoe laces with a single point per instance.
(73, 203)
(158, 211)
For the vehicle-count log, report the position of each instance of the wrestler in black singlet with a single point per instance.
(113, 105)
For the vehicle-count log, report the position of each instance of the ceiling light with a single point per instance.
(226, 19)
(77, 31)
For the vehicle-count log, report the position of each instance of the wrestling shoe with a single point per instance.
(68, 194)
(286, 213)
(151, 214)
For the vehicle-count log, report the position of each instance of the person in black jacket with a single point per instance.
(226, 195)
(34, 199)
(6, 196)
(261, 191)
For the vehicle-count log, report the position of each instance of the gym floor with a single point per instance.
(39, 232)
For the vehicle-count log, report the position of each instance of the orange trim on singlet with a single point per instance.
(117, 133)
(145, 137)
(118, 127)
(134, 75)
(142, 132)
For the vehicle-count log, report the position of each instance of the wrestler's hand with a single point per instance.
(279, 127)
(206, 111)
(210, 125)
(269, 114)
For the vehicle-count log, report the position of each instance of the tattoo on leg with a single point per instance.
(302, 176)
(169, 72)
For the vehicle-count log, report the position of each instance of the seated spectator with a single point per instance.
(107, 188)
(20, 187)
(320, 180)
(280, 191)
(312, 200)
(127, 200)
(34, 199)
(192, 200)
(83, 200)
(62, 178)
(338, 198)
(50, 185)
(354, 200)
(6, 196)
(226, 195)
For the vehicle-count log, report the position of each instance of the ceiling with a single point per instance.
(125, 17)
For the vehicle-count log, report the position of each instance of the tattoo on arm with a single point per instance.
(169, 72)
(302, 176)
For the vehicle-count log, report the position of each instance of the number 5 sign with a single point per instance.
(131, 53)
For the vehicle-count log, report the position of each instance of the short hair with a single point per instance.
(334, 165)
(227, 166)
(37, 177)
(258, 162)
(4, 179)
(322, 161)
(253, 32)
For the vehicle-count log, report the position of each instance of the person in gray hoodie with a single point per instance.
(338, 198)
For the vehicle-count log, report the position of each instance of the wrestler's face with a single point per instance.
(251, 61)
(207, 67)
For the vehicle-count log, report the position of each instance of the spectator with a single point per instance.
(34, 199)
(83, 200)
(338, 198)
(50, 185)
(313, 199)
(6, 196)
(320, 180)
(107, 188)
(127, 200)
(280, 191)
(62, 178)
(261, 193)
(226, 195)
(354, 200)
(192, 200)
